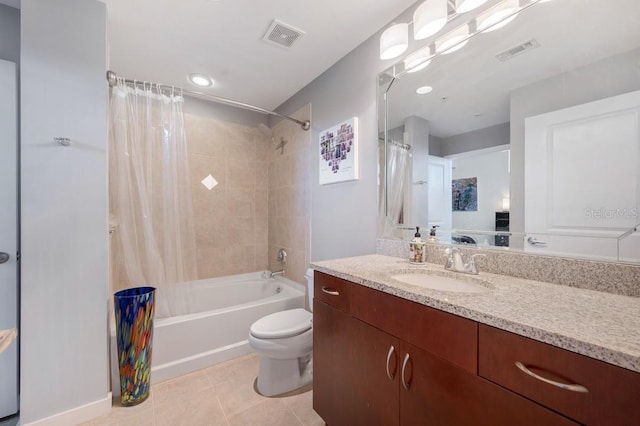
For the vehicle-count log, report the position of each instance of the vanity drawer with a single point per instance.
(600, 405)
(332, 290)
(450, 337)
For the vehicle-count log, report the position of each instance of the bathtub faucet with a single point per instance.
(276, 273)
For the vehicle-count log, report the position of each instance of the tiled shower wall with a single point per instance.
(289, 197)
(230, 219)
(260, 204)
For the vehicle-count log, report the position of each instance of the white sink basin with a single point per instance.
(437, 282)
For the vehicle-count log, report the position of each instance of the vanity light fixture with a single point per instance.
(463, 6)
(429, 18)
(418, 60)
(394, 41)
(498, 17)
(424, 90)
(200, 80)
(453, 41)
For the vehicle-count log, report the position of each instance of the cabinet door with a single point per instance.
(376, 358)
(332, 371)
(434, 392)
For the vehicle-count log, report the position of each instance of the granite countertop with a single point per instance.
(599, 325)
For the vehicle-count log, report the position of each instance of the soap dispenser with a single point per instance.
(417, 249)
(432, 234)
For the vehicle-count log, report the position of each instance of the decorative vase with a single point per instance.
(134, 309)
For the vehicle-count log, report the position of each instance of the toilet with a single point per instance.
(284, 341)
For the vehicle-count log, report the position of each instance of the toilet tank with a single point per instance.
(309, 276)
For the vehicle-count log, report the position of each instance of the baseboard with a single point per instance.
(77, 415)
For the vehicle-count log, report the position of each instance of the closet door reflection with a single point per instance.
(582, 179)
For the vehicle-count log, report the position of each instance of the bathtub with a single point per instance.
(217, 329)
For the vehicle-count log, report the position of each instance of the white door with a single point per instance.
(582, 179)
(439, 205)
(8, 236)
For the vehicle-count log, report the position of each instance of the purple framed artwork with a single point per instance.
(338, 149)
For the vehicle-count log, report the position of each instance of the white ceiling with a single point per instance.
(572, 33)
(165, 40)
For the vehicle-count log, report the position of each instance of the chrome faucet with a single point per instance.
(456, 263)
(276, 273)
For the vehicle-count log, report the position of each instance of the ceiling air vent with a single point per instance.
(518, 50)
(281, 34)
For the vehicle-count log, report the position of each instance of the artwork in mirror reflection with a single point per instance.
(464, 194)
(543, 114)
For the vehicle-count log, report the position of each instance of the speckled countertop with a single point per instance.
(599, 325)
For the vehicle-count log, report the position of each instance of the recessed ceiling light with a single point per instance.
(424, 90)
(200, 80)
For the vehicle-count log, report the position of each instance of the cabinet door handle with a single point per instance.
(571, 387)
(390, 375)
(330, 291)
(405, 384)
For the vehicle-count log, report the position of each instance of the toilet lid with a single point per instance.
(282, 324)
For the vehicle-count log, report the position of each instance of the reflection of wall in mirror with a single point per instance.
(492, 171)
(416, 134)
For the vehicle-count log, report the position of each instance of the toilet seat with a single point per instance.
(282, 324)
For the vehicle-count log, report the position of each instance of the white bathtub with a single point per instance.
(218, 329)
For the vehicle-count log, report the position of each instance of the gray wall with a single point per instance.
(435, 146)
(64, 210)
(9, 34)
(477, 139)
(344, 215)
(610, 77)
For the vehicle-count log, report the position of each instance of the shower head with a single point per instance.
(281, 145)
(269, 133)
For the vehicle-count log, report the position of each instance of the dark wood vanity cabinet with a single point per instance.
(590, 391)
(383, 360)
(439, 393)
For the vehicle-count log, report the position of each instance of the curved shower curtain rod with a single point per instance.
(306, 125)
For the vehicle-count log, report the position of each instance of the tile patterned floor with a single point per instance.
(220, 395)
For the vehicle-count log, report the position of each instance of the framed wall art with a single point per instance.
(338, 148)
(464, 194)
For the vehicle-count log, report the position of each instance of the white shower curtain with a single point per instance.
(150, 192)
(398, 162)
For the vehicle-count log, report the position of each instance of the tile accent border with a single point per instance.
(608, 277)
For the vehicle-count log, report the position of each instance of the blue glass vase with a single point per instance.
(134, 309)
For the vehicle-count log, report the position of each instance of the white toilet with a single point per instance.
(284, 341)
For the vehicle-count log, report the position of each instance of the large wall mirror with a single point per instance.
(523, 137)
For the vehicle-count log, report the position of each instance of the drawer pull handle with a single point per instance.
(390, 375)
(405, 384)
(328, 290)
(570, 387)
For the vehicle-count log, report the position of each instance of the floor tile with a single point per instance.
(302, 407)
(181, 387)
(236, 396)
(222, 395)
(195, 409)
(141, 414)
(270, 412)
